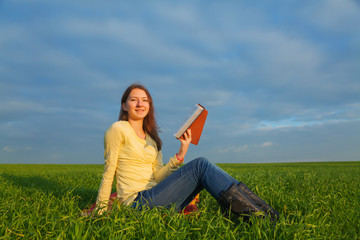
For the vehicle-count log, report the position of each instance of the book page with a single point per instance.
(189, 120)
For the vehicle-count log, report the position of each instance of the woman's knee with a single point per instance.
(201, 161)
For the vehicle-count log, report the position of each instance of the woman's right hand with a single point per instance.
(185, 142)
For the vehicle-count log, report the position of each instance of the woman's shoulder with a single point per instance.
(119, 126)
(117, 131)
(120, 123)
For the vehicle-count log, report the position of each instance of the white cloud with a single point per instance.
(285, 123)
(282, 56)
(234, 149)
(334, 15)
(293, 124)
(183, 14)
(240, 149)
(266, 144)
(215, 98)
(8, 149)
(136, 37)
(13, 149)
(21, 106)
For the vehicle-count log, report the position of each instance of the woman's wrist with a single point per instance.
(179, 158)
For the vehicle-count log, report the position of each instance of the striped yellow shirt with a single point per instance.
(136, 163)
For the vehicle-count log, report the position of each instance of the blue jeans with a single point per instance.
(180, 188)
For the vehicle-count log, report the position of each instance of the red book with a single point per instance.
(195, 121)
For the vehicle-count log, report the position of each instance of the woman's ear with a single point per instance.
(124, 107)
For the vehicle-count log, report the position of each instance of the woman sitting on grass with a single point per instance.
(133, 155)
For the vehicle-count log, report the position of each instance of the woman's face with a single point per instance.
(137, 104)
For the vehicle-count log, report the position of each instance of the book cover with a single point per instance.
(195, 121)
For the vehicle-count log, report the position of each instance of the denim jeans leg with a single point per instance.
(181, 187)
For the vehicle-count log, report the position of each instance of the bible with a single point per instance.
(195, 121)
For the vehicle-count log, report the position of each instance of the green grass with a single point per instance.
(319, 200)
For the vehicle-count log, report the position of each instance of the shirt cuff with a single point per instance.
(174, 162)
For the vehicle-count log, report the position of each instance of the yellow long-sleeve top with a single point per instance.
(136, 163)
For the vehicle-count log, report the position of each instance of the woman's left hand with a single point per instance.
(185, 142)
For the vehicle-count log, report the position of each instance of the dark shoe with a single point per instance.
(238, 202)
(259, 202)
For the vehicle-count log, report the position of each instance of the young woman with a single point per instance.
(133, 156)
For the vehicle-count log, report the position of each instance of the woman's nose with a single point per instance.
(140, 103)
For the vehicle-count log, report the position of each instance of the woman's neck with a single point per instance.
(138, 128)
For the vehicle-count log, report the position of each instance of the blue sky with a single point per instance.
(280, 79)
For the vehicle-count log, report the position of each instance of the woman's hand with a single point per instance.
(185, 142)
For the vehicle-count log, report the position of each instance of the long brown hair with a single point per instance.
(149, 125)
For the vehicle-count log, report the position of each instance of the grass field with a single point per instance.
(319, 201)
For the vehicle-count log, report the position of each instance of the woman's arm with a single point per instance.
(112, 145)
(161, 171)
(185, 142)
